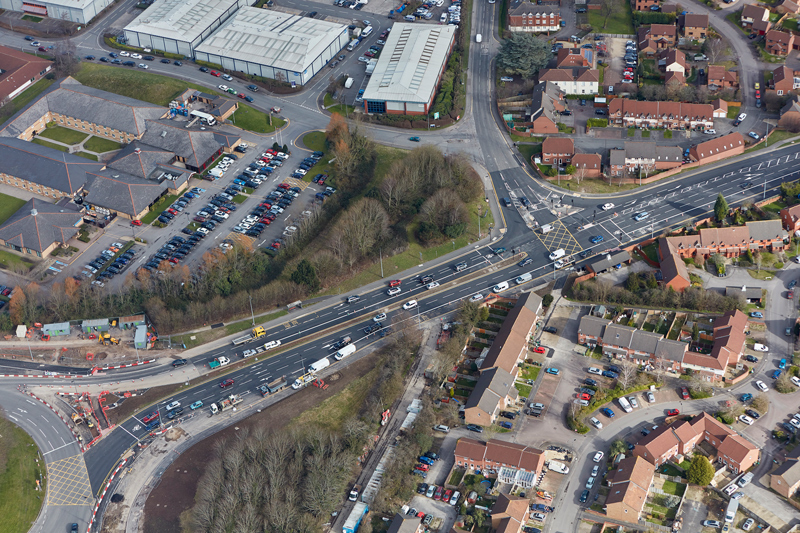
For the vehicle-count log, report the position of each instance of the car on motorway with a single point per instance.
(476, 298)
(607, 206)
(641, 216)
(411, 304)
(762, 386)
(552, 370)
(525, 262)
(196, 405)
(395, 283)
(684, 393)
(673, 412)
(739, 119)
(432, 285)
(393, 291)
(226, 383)
(379, 317)
(607, 412)
(414, 139)
(149, 418)
(756, 314)
(596, 239)
(179, 362)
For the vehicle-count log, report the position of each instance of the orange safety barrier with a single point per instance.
(89, 356)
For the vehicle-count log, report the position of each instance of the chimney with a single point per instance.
(34, 212)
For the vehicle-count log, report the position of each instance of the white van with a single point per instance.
(352, 45)
(349, 83)
(366, 31)
(557, 254)
(523, 278)
(500, 287)
(344, 352)
(547, 228)
(478, 38)
(626, 406)
(555, 466)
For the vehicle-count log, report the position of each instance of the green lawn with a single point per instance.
(8, 206)
(618, 22)
(651, 252)
(31, 18)
(134, 83)
(524, 390)
(54, 146)
(19, 501)
(342, 109)
(100, 145)
(64, 135)
(13, 262)
(777, 136)
(315, 141)
(670, 487)
(594, 186)
(86, 155)
(529, 150)
(249, 119)
(158, 207)
(239, 198)
(328, 100)
(530, 372)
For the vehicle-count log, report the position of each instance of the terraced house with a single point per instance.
(529, 17)
(509, 462)
(668, 115)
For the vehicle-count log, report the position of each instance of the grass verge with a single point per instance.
(86, 155)
(158, 207)
(54, 146)
(100, 145)
(250, 119)
(775, 137)
(8, 206)
(594, 186)
(19, 500)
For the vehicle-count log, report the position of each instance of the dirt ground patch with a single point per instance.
(175, 493)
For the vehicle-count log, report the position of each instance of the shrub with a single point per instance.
(701, 472)
(547, 300)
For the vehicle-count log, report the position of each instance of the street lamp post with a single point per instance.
(28, 341)
(253, 316)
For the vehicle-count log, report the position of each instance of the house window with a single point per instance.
(780, 93)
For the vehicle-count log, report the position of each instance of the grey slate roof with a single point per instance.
(609, 261)
(196, 146)
(545, 95)
(671, 350)
(593, 326)
(617, 335)
(138, 159)
(122, 192)
(38, 232)
(645, 341)
(493, 385)
(789, 470)
(44, 165)
(616, 157)
(766, 230)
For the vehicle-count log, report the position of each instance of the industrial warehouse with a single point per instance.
(409, 69)
(80, 11)
(274, 45)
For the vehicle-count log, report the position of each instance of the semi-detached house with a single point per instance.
(557, 150)
(784, 80)
(509, 462)
(629, 483)
(573, 80)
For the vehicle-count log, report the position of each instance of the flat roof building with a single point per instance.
(409, 69)
(178, 26)
(274, 45)
(82, 11)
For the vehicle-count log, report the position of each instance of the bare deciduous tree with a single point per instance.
(715, 49)
(628, 373)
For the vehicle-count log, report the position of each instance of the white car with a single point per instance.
(301, 171)
(741, 117)
(379, 318)
(226, 246)
(598, 457)
(222, 214)
(125, 54)
(506, 78)
(443, 17)
(363, 59)
(204, 231)
(796, 381)
(173, 405)
(595, 470)
(650, 397)
(222, 88)
(596, 423)
(227, 77)
(746, 419)
(595, 371)
(136, 56)
(748, 524)
(633, 401)
(608, 206)
(98, 283)
(239, 229)
(762, 386)
(760, 348)
(411, 304)
(142, 65)
(795, 423)
(393, 291)
(710, 131)
(477, 298)
(590, 483)
(433, 284)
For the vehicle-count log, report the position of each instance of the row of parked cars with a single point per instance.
(306, 164)
(178, 206)
(267, 211)
(116, 266)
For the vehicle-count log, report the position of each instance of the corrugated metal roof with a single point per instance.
(267, 37)
(408, 68)
(182, 20)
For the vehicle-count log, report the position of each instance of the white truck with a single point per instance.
(350, 349)
(625, 404)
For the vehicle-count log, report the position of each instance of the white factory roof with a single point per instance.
(182, 20)
(410, 62)
(268, 37)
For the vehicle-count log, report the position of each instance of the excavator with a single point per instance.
(106, 339)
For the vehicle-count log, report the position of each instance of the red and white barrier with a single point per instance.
(103, 494)
(32, 395)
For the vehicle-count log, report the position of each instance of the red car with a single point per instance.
(539, 349)
(227, 383)
(173, 260)
(266, 221)
(423, 467)
(240, 95)
(395, 283)
(583, 396)
(438, 494)
(170, 210)
(149, 418)
(447, 494)
(199, 219)
(684, 393)
(673, 412)
(758, 93)
(284, 186)
(136, 222)
(215, 73)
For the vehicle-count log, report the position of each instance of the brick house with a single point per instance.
(790, 114)
(590, 330)
(616, 162)
(721, 78)
(643, 5)
(648, 155)
(508, 461)
(731, 241)
(674, 273)
(509, 513)
(790, 218)
(682, 436)
(674, 78)
(719, 148)
(779, 43)
(587, 165)
(673, 61)
(788, 6)
(629, 483)
(547, 103)
(529, 17)
(752, 15)
(720, 108)
(38, 228)
(665, 35)
(558, 150)
(403, 523)
(511, 342)
(694, 26)
(668, 115)
(493, 392)
(573, 57)
(785, 480)
(572, 80)
(784, 80)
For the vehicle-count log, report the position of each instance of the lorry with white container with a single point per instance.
(226, 403)
(625, 404)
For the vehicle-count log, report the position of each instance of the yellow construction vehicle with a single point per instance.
(106, 339)
(78, 419)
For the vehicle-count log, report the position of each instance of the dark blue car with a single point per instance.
(608, 412)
